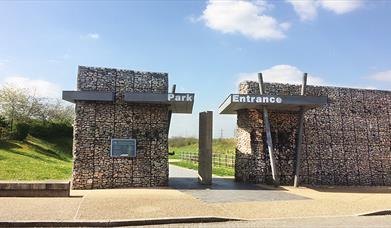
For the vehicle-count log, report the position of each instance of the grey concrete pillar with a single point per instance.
(205, 148)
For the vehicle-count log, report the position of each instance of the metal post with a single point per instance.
(170, 112)
(269, 141)
(304, 84)
(300, 135)
(205, 148)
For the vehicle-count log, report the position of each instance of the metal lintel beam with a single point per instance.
(177, 102)
(235, 102)
(73, 96)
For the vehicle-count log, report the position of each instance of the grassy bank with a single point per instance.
(220, 146)
(219, 171)
(190, 145)
(51, 159)
(36, 159)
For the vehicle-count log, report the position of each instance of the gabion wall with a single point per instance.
(97, 123)
(346, 142)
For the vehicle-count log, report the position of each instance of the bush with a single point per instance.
(4, 128)
(3, 122)
(22, 130)
(50, 130)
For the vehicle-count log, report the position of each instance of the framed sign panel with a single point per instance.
(123, 148)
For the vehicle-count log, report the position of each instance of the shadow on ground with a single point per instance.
(225, 190)
(47, 152)
(8, 145)
(352, 189)
(220, 183)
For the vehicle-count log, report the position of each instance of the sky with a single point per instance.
(206, 47)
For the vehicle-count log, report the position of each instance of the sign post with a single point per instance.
(205, 148)
(268, 134)
(300, 136)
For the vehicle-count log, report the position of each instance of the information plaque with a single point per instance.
(123, 148)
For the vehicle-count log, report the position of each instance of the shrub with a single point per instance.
(22, 130)
(4, 128)
(50, 130)
(3, 122)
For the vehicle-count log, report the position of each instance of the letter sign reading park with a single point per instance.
(180, 97)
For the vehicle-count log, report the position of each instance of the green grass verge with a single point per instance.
(190, 145)
(219, 171)
(36, 159)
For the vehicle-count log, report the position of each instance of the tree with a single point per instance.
(3, 127)
(21, 105)
(57, 111)
(15, 104)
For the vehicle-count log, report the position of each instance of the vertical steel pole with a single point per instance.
(299, 138)
(269, 141)
(205, 148)
(170, 112)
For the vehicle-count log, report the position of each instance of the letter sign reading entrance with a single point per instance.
(235, 102)
(123, 148)
(256, 99)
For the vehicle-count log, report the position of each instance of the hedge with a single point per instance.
(50, 130)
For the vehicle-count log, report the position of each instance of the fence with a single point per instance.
(227, 160)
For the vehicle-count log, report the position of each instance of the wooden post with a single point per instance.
(299, 139)
(269, 141)
(170, 112)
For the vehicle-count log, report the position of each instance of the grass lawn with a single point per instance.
(219, 171)
(36, 159)
(51, 159)
(220, 146)
(190, 145)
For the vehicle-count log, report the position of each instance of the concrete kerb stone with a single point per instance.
(34, 189)
(115, 223)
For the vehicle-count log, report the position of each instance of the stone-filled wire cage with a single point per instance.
(97, 122)
(346, 142)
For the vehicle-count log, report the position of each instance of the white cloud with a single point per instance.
(40, 88)
(244, 17)
(341, 6)
(281, 74)
(92, 36)
(308, 9)
(384, 76)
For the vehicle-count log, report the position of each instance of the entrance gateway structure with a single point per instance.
(121, 127)
(290, 134)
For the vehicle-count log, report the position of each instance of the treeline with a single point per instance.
(182, 141)
(23, 113)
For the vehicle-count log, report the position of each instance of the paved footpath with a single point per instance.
(330, 222)
(185, 198)
(224, 190)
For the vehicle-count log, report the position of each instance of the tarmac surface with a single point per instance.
(188, 199)
(224, 190)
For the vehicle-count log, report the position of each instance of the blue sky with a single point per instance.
(207, 47)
